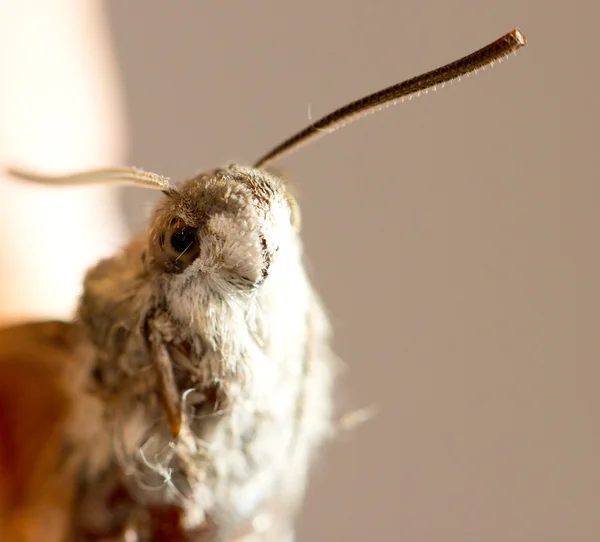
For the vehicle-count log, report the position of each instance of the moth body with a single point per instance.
(217, 282)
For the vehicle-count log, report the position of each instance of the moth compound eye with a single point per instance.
(181, 242)
(182, 239)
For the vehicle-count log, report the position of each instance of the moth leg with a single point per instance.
(167, 387)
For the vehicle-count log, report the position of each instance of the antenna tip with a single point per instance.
(520, 37)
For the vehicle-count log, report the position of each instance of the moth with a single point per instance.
(196, 378)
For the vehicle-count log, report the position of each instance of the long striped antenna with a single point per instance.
(485, 56)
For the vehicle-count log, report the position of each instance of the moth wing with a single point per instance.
(37, 364)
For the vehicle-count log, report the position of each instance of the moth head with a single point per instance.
(227, 226)
(231, 223)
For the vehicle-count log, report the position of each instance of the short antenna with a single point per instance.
(134, 176)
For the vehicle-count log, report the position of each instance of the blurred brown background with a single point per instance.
(453, 239)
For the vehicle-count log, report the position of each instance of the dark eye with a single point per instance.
(181, 242)
(182, 239)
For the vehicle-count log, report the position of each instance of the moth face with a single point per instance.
(226, 225)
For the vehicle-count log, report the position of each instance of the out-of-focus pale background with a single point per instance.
(453, 239)
(60, 108)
